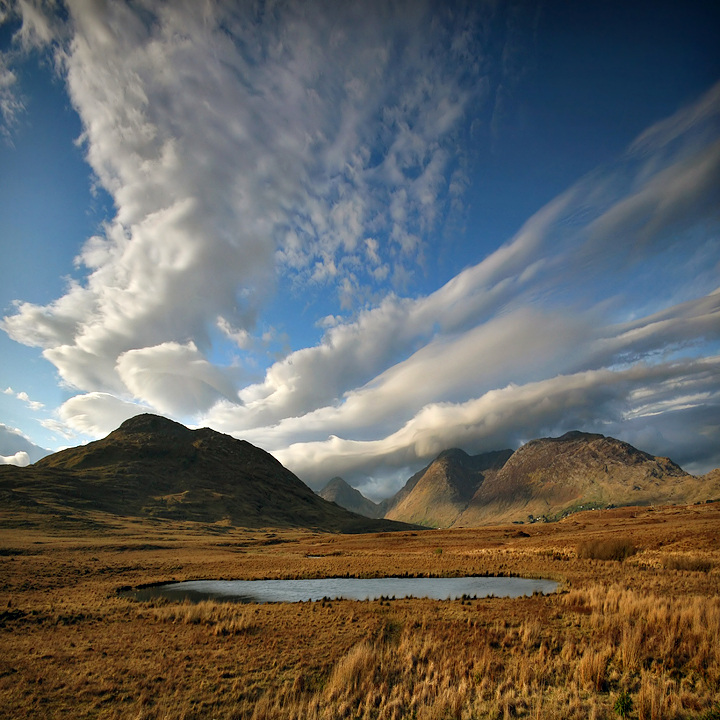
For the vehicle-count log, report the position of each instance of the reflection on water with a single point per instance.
(262, 591)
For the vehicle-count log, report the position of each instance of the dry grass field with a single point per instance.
(636, 634)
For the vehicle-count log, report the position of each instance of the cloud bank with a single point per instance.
(554, 330)
(277, 150)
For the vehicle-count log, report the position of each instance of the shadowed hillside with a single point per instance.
(154, 467)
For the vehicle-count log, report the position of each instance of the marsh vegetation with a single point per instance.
(641, 630)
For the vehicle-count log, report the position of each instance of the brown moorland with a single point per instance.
(646, 625)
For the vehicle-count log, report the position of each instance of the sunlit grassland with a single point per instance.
(647, 625)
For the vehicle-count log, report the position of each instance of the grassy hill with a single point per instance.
(154, 467)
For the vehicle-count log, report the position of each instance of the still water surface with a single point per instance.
(263, 591)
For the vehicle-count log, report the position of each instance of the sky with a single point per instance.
(358, 234)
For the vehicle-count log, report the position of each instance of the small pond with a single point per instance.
(264, 591)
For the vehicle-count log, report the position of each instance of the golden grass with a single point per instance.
(606, 549)
(688, 562)
(221, 618)
(648, 626)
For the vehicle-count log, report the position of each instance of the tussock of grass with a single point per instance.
(606, 549)
(688, 563)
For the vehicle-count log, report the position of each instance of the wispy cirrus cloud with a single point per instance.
(11, 105)
(543, 312)
(320, 145)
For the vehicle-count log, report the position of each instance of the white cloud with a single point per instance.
(239, 337)
(230, 140)
(38, 25)
(445, 369)
(32, 404)
(176, 379)
(24, 397)
(21, 459)
(57, 427)
(97, 414)
(17, 448)
(11, 105)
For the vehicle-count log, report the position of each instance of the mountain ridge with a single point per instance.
(437, 495)
(545, 478)
(341, 493)
(154, 467)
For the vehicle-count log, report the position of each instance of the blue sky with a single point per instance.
(358, 234)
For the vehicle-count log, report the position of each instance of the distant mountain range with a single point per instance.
(543, 480)
(339, 492)
(153, 467)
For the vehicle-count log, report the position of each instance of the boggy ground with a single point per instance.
(644, 630)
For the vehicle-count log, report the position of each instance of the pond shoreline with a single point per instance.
(317, 589)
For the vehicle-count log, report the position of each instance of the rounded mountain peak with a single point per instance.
(148, 423)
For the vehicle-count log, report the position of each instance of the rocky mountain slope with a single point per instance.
(154, 467)
(438, 494)
(546, 478)
(339, 492)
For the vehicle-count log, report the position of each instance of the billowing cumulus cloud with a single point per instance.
(286, 149)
